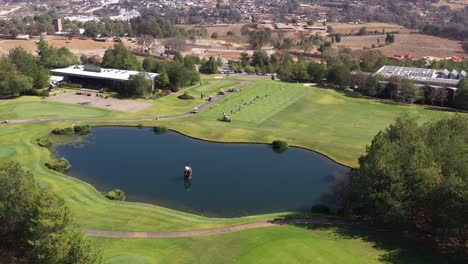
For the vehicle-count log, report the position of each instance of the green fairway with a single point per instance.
(256, 105)
(323, 120)
(286, 244)
(212, 86)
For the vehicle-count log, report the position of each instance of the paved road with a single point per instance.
(202, 107)
(212, 231)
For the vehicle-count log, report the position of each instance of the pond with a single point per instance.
(229, 180)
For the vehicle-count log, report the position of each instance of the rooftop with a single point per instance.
(98, 72)
(422, 75)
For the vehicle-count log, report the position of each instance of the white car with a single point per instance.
(195, 110)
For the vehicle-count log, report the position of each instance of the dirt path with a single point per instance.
(202, 107)
(212, 231)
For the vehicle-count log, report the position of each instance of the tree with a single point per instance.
(300, 72)
(415, 174)
(245, 59)
(120, 57)
(16, 84)
(409, 91)
(42, 79)
(259, 38)
(465, 45)
(138, 85)
(461, 95)
(210, 66)
(337, 38)
(215, 35)
(317, 71)
(37, 220)
(339, 75)
(389, 38)
(162, 80)
(362, 31)
(259, 58)
(438, 95)
(50, 57)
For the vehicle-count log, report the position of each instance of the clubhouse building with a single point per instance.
(425, 77)
(95, 77)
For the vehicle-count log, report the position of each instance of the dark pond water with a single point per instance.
(228, 179)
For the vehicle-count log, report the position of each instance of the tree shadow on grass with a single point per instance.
(399, 247)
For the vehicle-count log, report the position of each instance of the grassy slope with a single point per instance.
(315, 118)
(319, 119)
(268, 245)
(285, 244)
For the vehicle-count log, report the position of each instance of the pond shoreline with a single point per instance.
(149, 175)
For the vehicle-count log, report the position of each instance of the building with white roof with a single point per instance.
(95, 74)
(425, 77)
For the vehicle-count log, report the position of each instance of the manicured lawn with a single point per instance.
(212, 86)
(285, 244)
(323, 120)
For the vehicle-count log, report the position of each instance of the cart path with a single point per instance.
(204, 106)
(213, 231)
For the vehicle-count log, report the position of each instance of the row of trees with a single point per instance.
(36, 224)
(344, 69)
(412, 175)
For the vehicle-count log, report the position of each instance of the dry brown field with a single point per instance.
(345, 28)
(418, 45)
(453, 4)
(77, 46)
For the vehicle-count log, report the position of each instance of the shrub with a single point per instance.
(186, 96)
(160, 130)
(279, 146)
(82, 129)
(320, 209)
(60, 165)
(63, 131)
(174, 89)
(44, 142)
(116, 195)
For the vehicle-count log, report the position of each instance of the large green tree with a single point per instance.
(37, 221)
(120, 57)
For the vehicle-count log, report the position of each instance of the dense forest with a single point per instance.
(412, 176)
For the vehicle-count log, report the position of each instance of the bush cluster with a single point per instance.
(63, 131)
(160, 130)
(186, 96)
(279, 145)
(44, 142)
(60, 165)
(116, 195)
(82, 129)
(174, 89)
(77, 129)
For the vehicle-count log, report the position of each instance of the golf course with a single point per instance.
(322, 120)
